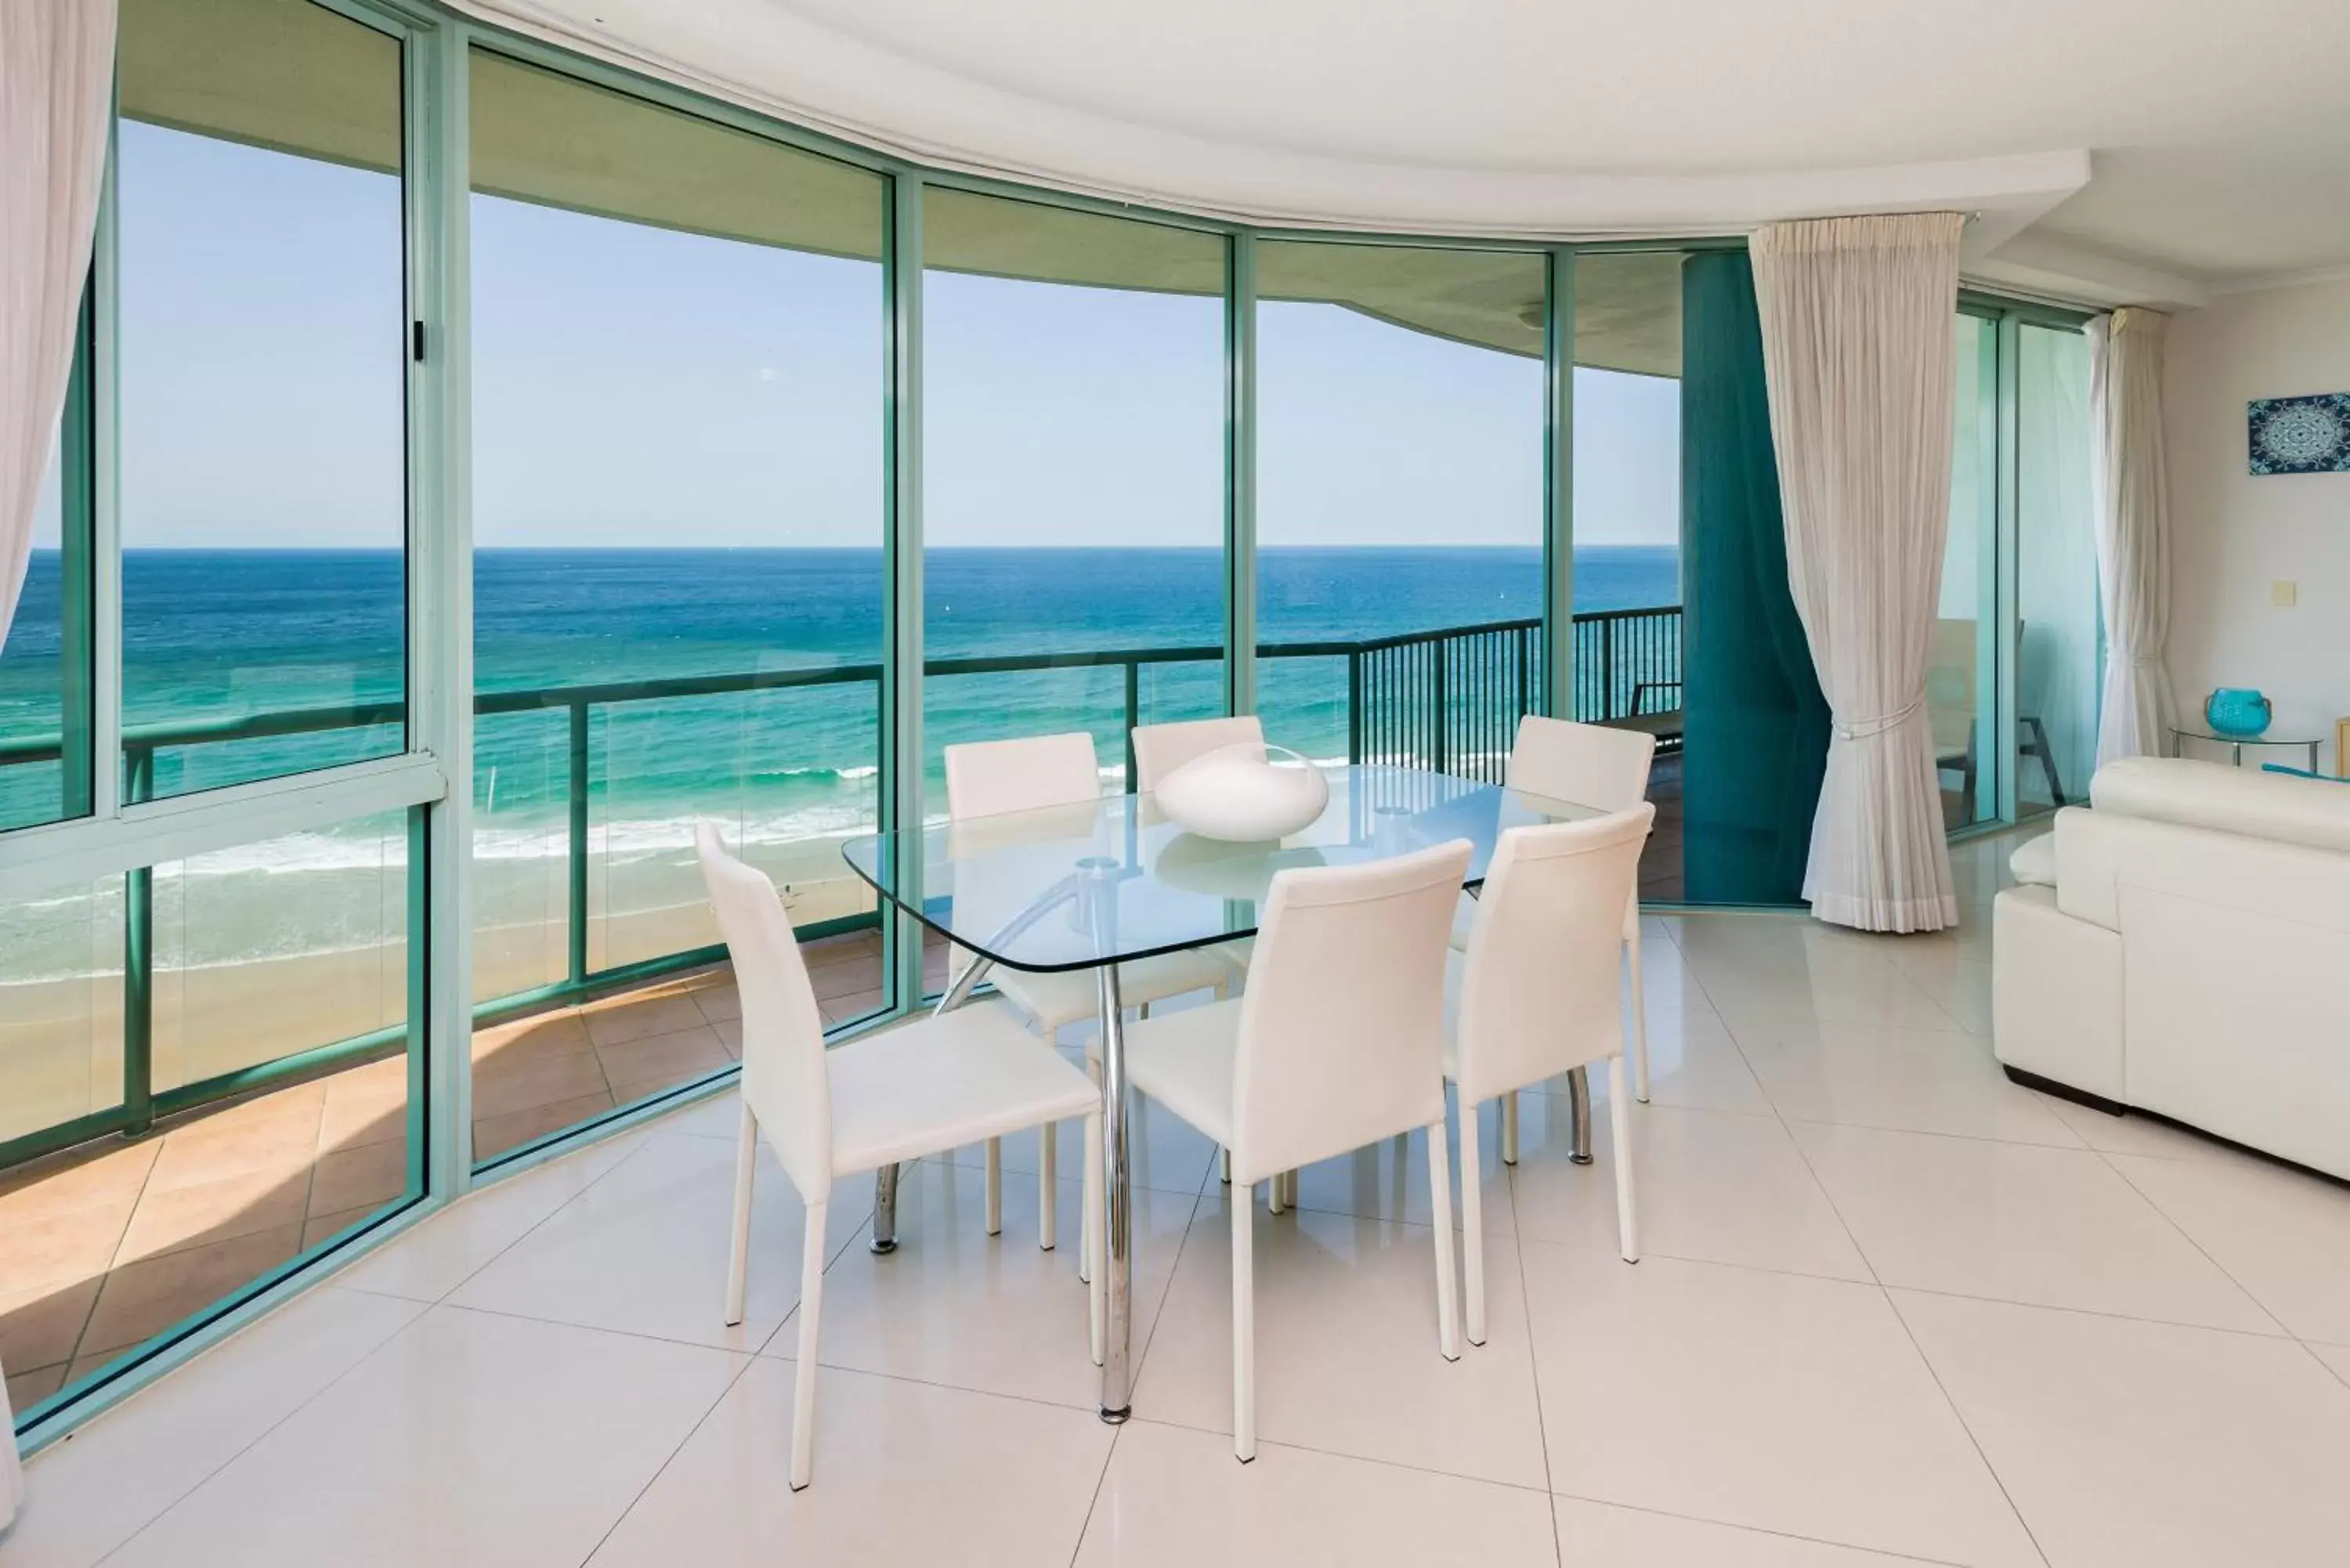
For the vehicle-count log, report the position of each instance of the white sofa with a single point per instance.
(2183, 947)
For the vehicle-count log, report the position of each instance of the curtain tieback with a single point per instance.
(2134, 662)
(1870, 729)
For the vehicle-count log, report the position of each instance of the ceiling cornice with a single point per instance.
(781, 63)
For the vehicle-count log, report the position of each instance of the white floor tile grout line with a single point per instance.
(329, 1282)
(299, 1406)
(1534, 1357)
(1760, 1529)
(2140, 1194)
(1990, 1469)
(669, 1459)
(1793, 1121)
(1297, 1448)
(1085, 1525)
(856, 1233)
(1087, 1409)
(1139, 1355)
(1592, 1248)
(2341, 1373)
(1894, 1307)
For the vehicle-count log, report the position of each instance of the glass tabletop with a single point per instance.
(2264, 739)
(1076, 886)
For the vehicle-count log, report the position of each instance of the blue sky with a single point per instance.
(635, 386)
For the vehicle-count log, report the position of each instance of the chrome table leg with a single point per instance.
(885, 1209)
(1117, 1210)
(1578, 1102)
(885, 1180)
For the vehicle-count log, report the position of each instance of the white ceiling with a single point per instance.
(2116, 148)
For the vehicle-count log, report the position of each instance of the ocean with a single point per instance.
(219, 633)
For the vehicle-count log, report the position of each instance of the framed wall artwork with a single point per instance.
(2301, 435)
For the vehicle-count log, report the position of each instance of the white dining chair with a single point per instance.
(1598, 765)
(1337, 1043)
(1161, 749)
(991, 778)
(1540, 991)
(919, 1089)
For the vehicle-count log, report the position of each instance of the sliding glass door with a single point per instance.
(2019, 655)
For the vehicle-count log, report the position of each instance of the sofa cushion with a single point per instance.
(2224, 799)
(2033, 863)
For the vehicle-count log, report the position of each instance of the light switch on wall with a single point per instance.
(2284, 595)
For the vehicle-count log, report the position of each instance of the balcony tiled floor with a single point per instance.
(104, 1246)
(1893, 1310)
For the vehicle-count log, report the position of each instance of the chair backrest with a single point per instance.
(987, 778)
(1161, 749)
(1951, 685)
(785, 1081)
(1541, 989)
(1590, 764)
(1342, 1027)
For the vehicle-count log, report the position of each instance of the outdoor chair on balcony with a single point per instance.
(1339, 1043)
(1951, 701)
(1539, 992)
(919, 1089)
(1598, 765)
(988, 778)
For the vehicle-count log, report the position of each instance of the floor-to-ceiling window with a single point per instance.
(1399, 500)
(678, 354)
(1073, 475)
(208, 1049)
(1683, 623)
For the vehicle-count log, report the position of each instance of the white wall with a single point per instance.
(2234, 534)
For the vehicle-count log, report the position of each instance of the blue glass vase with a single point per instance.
(2237, 713)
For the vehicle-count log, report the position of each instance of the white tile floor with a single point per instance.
(1893, 1310)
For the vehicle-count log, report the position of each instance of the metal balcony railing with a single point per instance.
(1448, 699)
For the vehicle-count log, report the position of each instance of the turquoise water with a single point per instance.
(224, 633)
(217, 635)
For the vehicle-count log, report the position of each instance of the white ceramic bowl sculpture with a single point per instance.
(1239, 795)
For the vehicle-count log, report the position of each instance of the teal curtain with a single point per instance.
(1754, 726)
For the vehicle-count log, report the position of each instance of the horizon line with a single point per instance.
(651, 549)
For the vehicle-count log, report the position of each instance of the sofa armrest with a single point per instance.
(2088, 878)
(2056, 994)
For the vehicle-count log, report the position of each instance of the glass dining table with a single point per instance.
(1089, 886)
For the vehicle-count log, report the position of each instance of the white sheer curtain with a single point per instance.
(57, 77)
(2131, 498)
(1857, 356)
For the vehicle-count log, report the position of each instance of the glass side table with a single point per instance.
(2235, 744)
